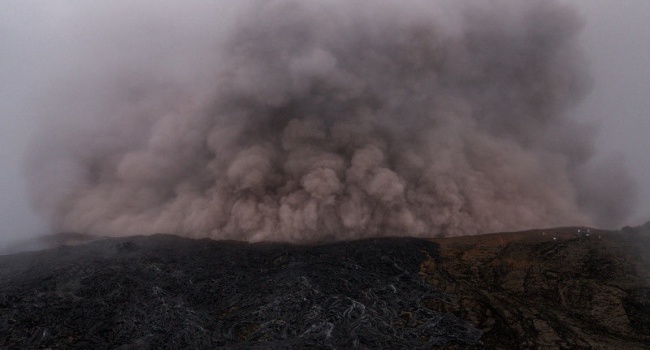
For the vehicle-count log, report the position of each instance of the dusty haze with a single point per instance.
(307, 122)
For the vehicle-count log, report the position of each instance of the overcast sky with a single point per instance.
(616, 40)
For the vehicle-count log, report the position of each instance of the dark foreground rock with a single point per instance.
(538, 289)
(555, 289)
(169, 292)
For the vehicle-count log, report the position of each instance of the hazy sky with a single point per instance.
(34, 51)
(617, 42)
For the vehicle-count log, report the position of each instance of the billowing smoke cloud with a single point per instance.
(342, 121)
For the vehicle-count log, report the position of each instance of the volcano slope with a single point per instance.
(537, 289)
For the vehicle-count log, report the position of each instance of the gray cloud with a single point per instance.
(98, 77)
(306, 122)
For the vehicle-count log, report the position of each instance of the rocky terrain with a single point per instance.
(554, 289)
(566, 288)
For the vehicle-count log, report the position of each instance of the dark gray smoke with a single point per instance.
(338, 122)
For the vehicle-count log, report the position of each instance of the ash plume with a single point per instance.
(323, 121)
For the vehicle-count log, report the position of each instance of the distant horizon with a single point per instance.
(57, 240)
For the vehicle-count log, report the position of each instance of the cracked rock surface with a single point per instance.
(552, 289)
(529, 290)
(170, 292)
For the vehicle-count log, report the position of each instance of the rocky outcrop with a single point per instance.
(555, 289)
(530, 290)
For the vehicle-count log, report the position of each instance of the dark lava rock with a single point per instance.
(532, 290)
(168, 292)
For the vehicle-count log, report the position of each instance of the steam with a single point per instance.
(322, 122)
